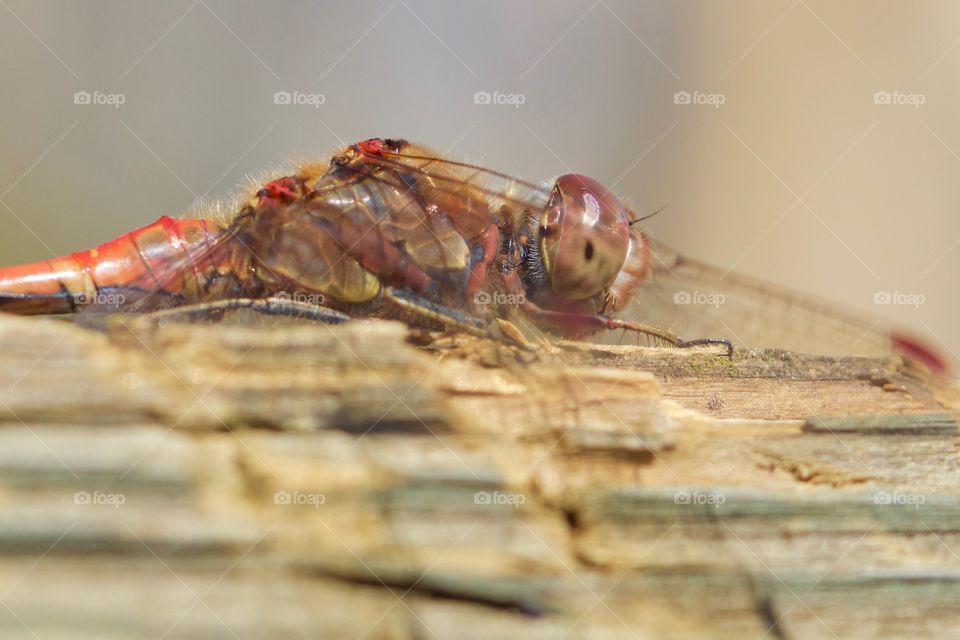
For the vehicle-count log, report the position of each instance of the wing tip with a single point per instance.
(918, 350)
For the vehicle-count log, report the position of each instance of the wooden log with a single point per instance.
(301, 481)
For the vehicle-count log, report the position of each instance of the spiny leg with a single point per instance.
(273, 306)
(438, 313)
(454, 319)
(606, 322)
(666, 336)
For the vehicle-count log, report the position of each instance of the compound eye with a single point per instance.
(584, 236)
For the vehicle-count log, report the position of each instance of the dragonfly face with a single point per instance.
(584, 237)
(584, 257)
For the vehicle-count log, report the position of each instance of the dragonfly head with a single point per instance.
(584, 237)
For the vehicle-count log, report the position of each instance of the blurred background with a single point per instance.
(812, 143)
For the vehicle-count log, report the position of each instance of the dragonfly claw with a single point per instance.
(686, 344)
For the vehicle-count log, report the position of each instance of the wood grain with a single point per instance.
(299, 481)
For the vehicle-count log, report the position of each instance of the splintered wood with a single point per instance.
(301, 481)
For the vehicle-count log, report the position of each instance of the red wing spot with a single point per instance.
(280, 190)
(373, 146)
(912, 347)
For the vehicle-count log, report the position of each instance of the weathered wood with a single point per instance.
(909, 424)
(301, 481)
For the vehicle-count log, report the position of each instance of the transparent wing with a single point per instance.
(497, 188)
(696, 300)
(163, 275)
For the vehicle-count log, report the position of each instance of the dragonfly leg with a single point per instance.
(425, 309)
(589, 321)
(668, 336)
(273, 306)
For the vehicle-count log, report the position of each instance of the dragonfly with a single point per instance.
(390, 229)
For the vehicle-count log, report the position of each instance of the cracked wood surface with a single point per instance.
(300, 481)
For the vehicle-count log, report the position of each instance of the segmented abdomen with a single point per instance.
(166, 258)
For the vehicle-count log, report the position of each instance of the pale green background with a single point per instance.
(598, 81)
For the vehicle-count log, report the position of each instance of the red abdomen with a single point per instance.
(166, 258)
